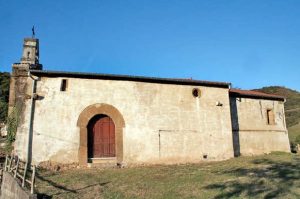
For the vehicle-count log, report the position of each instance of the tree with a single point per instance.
(4, 94)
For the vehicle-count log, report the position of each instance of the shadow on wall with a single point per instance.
(269, 179)
(235, 126)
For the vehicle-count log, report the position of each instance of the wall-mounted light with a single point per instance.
(219, 103)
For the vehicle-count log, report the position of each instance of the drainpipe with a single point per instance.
(31, 118)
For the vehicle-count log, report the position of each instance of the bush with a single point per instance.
(294, 147)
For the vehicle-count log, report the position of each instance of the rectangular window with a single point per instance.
(63, 86)
(270, 117)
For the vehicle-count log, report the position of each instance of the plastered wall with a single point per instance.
(164, 123)
(252, 133)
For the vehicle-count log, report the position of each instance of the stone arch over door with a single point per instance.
(86, 115)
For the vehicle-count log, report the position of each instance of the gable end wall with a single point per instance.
(251, 132)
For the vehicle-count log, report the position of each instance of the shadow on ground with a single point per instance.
(62, 189)
(266, 179)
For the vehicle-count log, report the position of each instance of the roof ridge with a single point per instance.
(131, 78)
(251, 93)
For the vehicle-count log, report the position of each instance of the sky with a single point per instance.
(250, 43)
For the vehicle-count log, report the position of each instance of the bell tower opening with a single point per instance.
(19, 76)
(31, 54)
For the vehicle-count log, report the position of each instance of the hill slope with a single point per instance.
(292, 108)
(4, 92)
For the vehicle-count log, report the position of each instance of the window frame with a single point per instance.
(270, 116)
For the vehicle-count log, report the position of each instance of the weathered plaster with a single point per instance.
(251, 129)
(165, 123)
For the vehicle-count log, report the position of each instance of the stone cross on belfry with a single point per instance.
(33, 33)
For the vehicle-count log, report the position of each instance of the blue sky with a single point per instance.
(250, 43)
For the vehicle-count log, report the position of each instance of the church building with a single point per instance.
(93, 118)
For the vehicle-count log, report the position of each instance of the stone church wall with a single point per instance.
(164, 123)
(252, 132)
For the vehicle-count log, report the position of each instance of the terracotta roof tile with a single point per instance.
(254, 94)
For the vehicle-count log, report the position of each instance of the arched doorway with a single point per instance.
(86, 118)
(101, 137)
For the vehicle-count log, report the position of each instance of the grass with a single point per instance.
(294, 131)
(276, 175)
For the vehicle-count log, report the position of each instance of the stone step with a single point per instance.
(102, 163)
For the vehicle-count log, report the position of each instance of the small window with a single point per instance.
(63, 86)
(270, 117)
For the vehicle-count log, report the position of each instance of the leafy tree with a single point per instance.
(4, 94)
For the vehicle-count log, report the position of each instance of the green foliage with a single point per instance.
(280, 90)
(297, 140)
(294, 131)
(4, 94)
(292, 118)
(13, 122)
(3, 111)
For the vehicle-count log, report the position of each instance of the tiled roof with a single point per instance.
(254, 94)
(129, 78)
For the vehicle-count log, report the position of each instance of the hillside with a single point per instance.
(4, 92)
(292, 108)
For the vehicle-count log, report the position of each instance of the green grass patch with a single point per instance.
(276, 175)
(294, 131)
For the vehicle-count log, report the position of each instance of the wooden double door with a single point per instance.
(101, 137)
